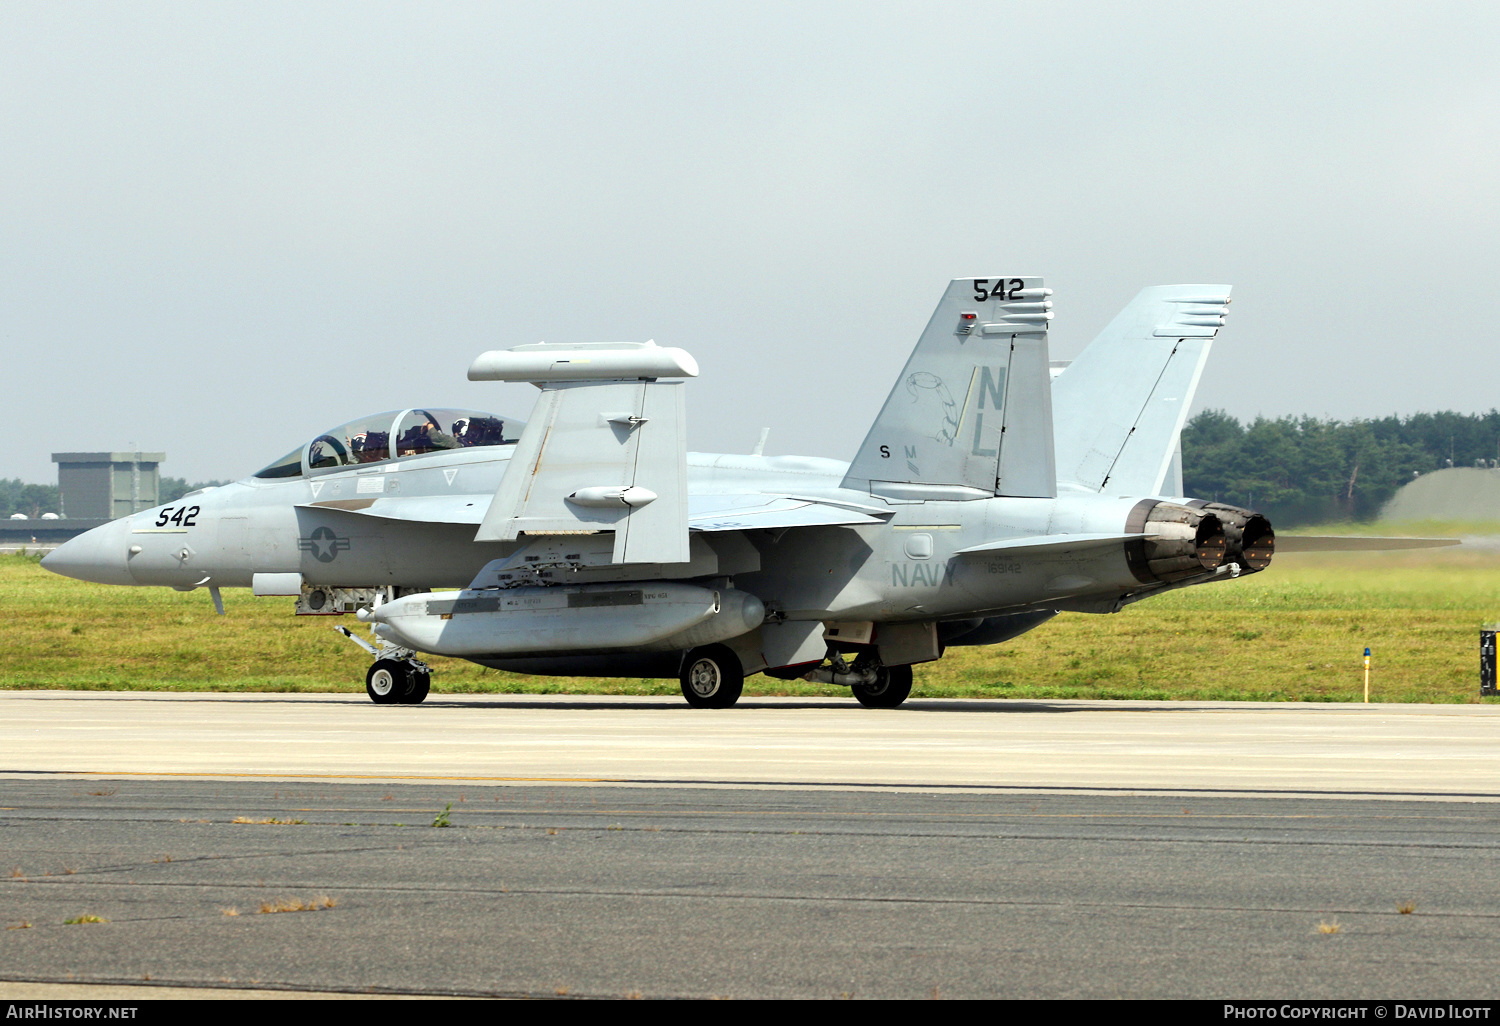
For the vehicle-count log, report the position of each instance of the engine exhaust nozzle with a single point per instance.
(1250, 540)
(1181, 542)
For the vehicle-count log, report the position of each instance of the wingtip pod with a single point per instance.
(586, 361)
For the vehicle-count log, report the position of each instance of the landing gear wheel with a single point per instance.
(421, 683)
(388, 681)
(712, 677)
(889, 690)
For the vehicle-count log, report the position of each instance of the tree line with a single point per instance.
(1296, 470)
(33, 500)
(1302, 470)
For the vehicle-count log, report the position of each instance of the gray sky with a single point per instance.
(225, 227)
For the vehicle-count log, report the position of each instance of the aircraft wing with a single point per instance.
(604, 451)
(765, 512)
(748, 512)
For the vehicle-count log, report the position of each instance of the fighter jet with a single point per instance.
(986, 498)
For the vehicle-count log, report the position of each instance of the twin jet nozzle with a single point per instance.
(1183, 542)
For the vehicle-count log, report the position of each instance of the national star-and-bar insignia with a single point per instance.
(323, 544)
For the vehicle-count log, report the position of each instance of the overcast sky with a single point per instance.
(225, 227)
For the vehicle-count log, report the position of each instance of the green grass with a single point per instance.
(1296, 632)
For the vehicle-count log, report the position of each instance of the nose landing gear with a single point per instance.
(405, 681)
(397, 677)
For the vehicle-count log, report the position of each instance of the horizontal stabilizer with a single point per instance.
(1121, 405)
(1051, 544)
(1354, 543)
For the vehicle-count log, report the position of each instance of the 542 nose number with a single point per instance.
(182, 517)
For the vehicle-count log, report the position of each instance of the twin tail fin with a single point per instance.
(971, 414)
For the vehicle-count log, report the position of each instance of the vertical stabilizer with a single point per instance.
(973, 406)
(1121, 405)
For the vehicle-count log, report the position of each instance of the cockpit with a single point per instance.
(394, 436)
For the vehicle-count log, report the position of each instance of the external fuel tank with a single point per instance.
(640, 616)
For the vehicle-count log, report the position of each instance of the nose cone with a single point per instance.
(99, 555)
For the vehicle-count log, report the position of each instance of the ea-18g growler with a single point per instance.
(987, 497)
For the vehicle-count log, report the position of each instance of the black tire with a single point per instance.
(387, 681)
(712, 678)
(421, 683)
(889, 691)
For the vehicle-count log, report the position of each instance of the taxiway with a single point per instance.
(609, 847)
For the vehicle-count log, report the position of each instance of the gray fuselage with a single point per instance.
(903, 570)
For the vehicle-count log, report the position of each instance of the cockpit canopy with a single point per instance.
(396, 435)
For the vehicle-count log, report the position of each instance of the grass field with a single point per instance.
(1296, 632)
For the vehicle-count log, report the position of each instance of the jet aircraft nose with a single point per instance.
(100, 555)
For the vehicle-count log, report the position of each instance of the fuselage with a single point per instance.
(591, 541)
(320, 525)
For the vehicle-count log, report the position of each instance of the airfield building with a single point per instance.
(93, 489)
(107, 485)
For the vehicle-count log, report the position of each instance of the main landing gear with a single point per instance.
(874, 685)
(712, 677)
(890, 688)
(398, 677)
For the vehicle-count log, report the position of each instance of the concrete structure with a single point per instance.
(107, 485)
(93, 489)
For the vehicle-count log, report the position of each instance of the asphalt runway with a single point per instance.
(783, 849)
